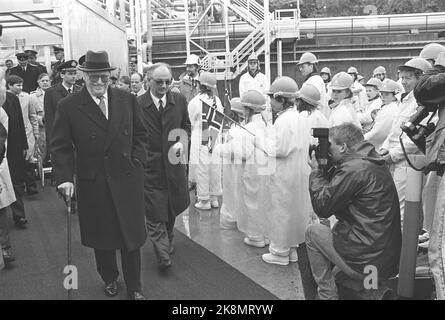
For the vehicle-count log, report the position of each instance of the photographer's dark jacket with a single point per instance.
(362, 195)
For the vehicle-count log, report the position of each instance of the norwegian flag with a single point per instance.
(212, 123)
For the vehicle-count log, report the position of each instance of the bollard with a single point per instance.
(411, 226)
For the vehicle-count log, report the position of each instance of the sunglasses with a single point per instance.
(96, 77)
(159, 82)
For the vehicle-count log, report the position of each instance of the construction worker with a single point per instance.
(189, 80)
(204, 167)
(230, 152)
(360, 79)
(254, 79)
(308, 68)
(343, 106)
(391, 149)
(358, 91)
(287, 145)
(374, 102)
(326, 75)
(431, 51)
(255, 183)
(384, 115)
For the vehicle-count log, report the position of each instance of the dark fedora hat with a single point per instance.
(96, 61)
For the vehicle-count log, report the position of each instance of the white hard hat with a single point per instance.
(192, 59)
(352, 70)
(431, 51)
(253, 56)
(307, 57)
(416, 63)
(374, 82)
(390, 86)
(310, 94)
(341, 81)
(207, 79)
(326, 70)
(236, 106)
(284, 87)
(254, 100)
(440, 61)
(360, 77)
(379, 70)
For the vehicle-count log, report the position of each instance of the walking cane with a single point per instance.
(68, 225)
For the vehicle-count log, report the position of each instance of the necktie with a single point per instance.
(161, 106)
(102, 106)
(69, 91)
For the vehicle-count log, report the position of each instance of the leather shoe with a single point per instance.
(111, 289)
(135, 295)
(7, 257)
(20, 222)
(164, 265)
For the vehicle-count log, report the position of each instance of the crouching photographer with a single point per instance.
(360, 192)
(430, 94)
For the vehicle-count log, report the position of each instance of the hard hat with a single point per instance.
(431, 50)
(390, 86)
(284, 87)
(326, 70)
(307, 57)
(360, 77)
(440, 61)
(254, 100)
(416, 63)
(341, 81)
(192, 59)
(175, 89)
(236, 106)
(352, 70)
(310, 94)
(207, 79)
(253, 56)
(379, 70)
(374, 82)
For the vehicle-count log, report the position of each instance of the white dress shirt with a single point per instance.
(156, 100)
(97, 100)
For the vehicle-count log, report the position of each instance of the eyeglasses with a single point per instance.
(95, 77)
(159, 82)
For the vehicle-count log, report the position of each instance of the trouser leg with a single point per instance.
(131, 269)
(30, 179)
(170, 230)
(159, 237)
(4, 229)
(18, 208)
(436, 250)
(106, 264)
(322, 255)
(203, 175)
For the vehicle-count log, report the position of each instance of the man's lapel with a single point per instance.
(170, 102)
(115, 115)
(91, 109)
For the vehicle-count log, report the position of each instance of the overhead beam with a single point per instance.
(36, 21)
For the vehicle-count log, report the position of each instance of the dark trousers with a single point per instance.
(161, 236)
(4, 229)
(30, 176)
(131, 267)
(18, 208)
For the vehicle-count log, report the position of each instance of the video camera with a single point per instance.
(322, 150)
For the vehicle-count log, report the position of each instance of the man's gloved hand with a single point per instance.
(66, 189)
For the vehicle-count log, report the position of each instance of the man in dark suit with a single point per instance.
(32, 60)
(56, 93)
(59, 53)
(27, 72)
(98, 135)
(166, 190)
(16, 151)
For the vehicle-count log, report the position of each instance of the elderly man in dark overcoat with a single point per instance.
(166, 190)
(98, 133)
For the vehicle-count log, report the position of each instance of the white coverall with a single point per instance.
(382, 124)
(288, 145)
(260, 84)
(318, 82)
(343, 113)
(364, 116)
(204, 167)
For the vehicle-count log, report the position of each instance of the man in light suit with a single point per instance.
(98, 135)
(166, 190)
